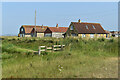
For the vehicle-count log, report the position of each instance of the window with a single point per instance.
(22, 29)
(48, 35)
(91, 35)
(93, 26)
(98, 35)
(73, 34)
(71, 28)
(83, 35)
(86, 27)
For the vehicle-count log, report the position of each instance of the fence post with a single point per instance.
(52, 47)
(39, 50)
(61, 47)
(45, 48)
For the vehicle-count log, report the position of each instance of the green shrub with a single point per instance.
(13, 39)
(101, 39)
(34, 39)
(111, 40)
(18, 39)
(44, 53)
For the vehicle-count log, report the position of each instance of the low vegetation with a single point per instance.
(83, 58)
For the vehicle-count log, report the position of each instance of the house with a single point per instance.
(29, 31)
(84, 29)
(114, 33)
(118, 33)
(55, 31)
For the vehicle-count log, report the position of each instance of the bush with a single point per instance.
(44, 53)
(2, 38)
(13, 39)
(101, 39)
(50, 41)
(111, 40)
(29, 41)
(9, 39)
(34, 39)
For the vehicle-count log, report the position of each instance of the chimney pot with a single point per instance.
(79, 21)
(42, 25)
(57, 25)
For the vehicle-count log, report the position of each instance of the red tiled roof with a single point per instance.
(40, 29)
(107, 31)
(92, 27)
(58, 29)
(29, 28)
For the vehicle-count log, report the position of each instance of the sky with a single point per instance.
(16, 14)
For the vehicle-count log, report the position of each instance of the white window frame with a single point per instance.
(83, 35)
(91, 35)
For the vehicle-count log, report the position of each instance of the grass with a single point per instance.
(81, 58)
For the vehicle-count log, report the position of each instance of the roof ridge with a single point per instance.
(85, 23)
(30, 25)
(56, 27)
(59, 27)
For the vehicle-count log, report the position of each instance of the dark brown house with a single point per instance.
(84, 29)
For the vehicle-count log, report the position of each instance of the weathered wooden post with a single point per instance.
(39, 50)
(52, 47)
(45, 48)
(61, 47)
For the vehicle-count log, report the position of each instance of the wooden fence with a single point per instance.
(53, 48)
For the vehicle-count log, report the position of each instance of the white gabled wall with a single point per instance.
(57, 34)
(27, 35)
(40, 35)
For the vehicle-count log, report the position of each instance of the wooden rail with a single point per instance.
(53, 48)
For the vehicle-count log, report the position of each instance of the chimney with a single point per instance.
(79, 21)
(57, 26)
(42, 25)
